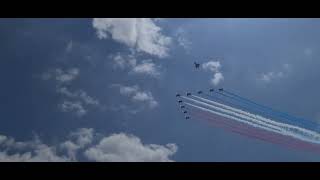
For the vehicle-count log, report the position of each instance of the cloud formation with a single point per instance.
(31, 151)
(79, 94)
(77, 101)
(137, 95)
(214, 67)
(73, 106)
(85, 143)
(145, 67)
(128, 148)
(271, 76)
(62, 76)
(141, 34)
(182, 39)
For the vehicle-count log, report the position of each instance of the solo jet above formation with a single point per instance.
(196, 65)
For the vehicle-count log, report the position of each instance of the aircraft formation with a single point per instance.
(229, 111)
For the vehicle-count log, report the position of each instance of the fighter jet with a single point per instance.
(196, 65)
(188, 94)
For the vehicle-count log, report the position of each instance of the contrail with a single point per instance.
(282, 114)
(244, 117)
(284, 129)
(306, 132)
(251, 107)
(229, 108)
(246, 130)
(232, 117)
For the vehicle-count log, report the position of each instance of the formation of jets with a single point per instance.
(189, 94)
(197, 66)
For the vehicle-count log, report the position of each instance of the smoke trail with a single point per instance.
(282, 114)
(246, 130)
(287, 127)
(284, 129)
(256, 109)
(232, 117)
(254, 133)
(244, 116)
(229, 108)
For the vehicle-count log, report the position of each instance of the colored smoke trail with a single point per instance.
(249, 131)
(276, 113)
(258, 121)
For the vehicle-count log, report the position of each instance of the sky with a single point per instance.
(104, 89)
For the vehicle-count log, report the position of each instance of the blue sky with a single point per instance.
(104, 89)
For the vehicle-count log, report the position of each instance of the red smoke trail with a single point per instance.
(252, 132)
(246, 131)
(274, 136)
(261, 134)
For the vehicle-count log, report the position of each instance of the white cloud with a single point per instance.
(127, 148)
(121, 61)
(83, 136)
(2, 139)
(73, 106)
(137, 95)
(66, 76)
(12, 151)
(271, 76)
(78, 140)
(217, 78)
(214, 67)
(71, 149)
(81, 144)
(139, 33)
(146, 67)
(182, 39)
(76, 102)
(267, 77)
(128, 90)
(145, 97)
(62, 76)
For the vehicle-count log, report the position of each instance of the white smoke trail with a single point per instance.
(289, 127)
(228, 112)
(254, 116)
(233, 117)
(261, 122)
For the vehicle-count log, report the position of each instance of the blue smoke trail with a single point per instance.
(268, 108)
(266, 111)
